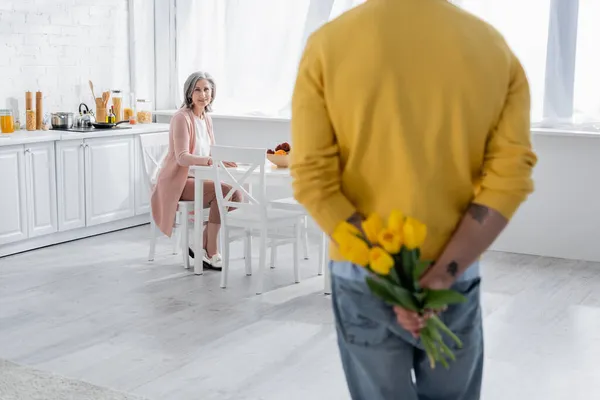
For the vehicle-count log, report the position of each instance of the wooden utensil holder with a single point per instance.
(100, 110)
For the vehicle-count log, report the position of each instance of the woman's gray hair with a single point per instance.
(190, 85)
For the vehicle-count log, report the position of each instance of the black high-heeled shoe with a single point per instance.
(191, 252)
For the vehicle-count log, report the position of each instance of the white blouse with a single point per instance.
(202, 139)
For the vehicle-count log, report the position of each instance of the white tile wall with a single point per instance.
(56, 46)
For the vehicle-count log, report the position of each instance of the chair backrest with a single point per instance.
(155, 147)
(253, 161)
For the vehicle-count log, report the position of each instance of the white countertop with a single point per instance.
(24, 137)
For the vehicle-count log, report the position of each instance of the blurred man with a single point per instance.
(418, 106)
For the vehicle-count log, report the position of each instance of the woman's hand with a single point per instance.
(230, 164)
(209, 161)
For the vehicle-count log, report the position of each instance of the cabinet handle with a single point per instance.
(27, 151)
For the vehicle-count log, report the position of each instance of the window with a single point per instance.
(587, 63)
(252, 48)
(524, 25)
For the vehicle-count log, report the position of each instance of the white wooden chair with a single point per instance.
(256, 214)
(289, 203)
(154, 148)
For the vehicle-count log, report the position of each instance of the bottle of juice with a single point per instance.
(7, 122)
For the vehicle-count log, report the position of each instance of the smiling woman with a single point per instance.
(191, 137)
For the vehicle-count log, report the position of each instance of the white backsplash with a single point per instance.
(56, 46)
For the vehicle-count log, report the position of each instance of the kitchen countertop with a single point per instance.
(24, 137)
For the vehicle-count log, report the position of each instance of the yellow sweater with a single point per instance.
(413, 105)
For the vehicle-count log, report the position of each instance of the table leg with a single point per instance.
(198, 224)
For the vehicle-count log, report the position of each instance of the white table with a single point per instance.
(274, 177)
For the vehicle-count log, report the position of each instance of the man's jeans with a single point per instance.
(380, 357)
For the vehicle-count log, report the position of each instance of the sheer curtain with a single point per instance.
(341, 6)
(524, 25)
(587, 63)
(252, 48)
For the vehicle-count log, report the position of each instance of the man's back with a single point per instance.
(412, 105)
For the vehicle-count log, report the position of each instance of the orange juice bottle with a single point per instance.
(7, 122)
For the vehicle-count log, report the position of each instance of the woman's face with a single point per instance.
(202, 94)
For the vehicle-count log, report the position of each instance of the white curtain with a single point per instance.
(524, 24)
(252, 48)
(587, 63)
(341, 6)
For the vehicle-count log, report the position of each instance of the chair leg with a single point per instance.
(226, 251)
(185, 241)
(262, 260)
(175, 241)
(305, 238)
(323, 264)
(153, 234)
(248, 252)
(322, 254)
(297, 238)
(273, 256)
(327, 283)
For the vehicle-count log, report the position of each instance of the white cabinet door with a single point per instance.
(110, 179)
(142, 195)
(40, 171)
(70, 169)
(13, 198)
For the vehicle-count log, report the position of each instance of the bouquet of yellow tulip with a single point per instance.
(392, 254)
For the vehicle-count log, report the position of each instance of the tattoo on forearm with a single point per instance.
(355, 219)
(478, 212)
(452, 269)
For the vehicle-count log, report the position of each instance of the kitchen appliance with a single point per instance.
(62, 120)
(86, 117)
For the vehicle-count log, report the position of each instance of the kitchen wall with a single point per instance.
(56, 46)
(562, 217)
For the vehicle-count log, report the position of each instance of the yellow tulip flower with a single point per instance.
(414, 233)
(354, 249)
(372, 226)
(345, 228)
(390, 241)
(351, 244)
(380, 261)
(396, 222)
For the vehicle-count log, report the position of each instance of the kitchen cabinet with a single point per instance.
(59, 186)
(40, 178)
(142, 194)
(110, 179)
(70, 168)
(13, 201)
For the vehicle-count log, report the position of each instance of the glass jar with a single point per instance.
(30, 121)
(117, 102)
(129, 109)
(144, 111)
(7, 122)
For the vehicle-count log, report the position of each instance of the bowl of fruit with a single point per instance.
(280, 156)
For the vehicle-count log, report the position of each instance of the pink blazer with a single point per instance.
(175, 168)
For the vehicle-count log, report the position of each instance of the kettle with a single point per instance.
(86, 117)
